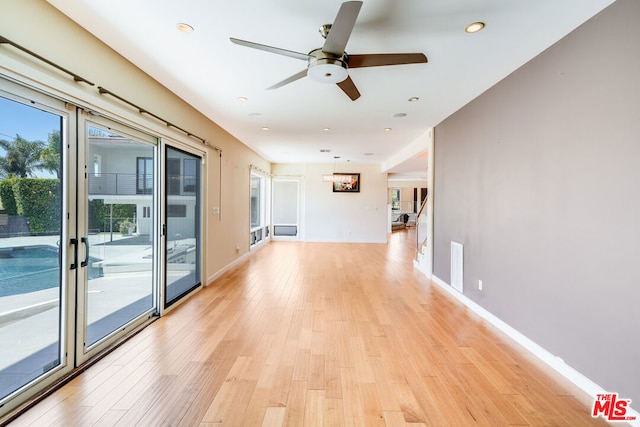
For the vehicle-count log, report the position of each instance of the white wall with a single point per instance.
(341, 217)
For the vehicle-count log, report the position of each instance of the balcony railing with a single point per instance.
(130, 184)
(120, 184)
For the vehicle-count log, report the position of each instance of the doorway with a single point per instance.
(286, 208)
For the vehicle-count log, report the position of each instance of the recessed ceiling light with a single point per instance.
(413, 99)
(254, 114)
(326, 129)
(265, 128)
(368, 154)
(474, 27)
(242, 98)
(387, 129)
(185, 28)
(399, 115)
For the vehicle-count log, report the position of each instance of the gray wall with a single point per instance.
(539, 178)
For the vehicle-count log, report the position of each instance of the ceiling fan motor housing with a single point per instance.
(326, 67)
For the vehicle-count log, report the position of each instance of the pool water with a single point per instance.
(30, 269)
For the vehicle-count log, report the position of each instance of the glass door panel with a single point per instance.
(119, 244)
(183, 235)
(31, 252)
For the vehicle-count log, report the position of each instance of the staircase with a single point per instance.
(424, 257)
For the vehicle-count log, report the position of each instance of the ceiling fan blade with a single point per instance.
(296, 76)
(379, 59)
(271, 49)
(341, 28)
(349, 88)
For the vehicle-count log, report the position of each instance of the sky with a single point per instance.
(28, 122)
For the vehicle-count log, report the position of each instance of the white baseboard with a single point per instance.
(555, 362)
(238, 260)
(227, 267)
(418, 266)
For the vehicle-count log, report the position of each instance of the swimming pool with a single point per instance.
(31, 268)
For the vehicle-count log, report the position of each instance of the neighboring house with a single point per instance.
(123, 174)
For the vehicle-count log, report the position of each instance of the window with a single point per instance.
(146, 212)
(97, 165)
(256, 200)
(176, 211)
(144, 175)
(260, 218)
(395, 199)
(189, 176)
(173, 176)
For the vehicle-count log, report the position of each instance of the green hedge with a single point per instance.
(99, 215)
(7, 197)
(38, 199)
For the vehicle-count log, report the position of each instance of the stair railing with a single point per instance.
(421, 226)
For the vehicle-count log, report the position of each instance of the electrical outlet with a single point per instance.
(479, 284)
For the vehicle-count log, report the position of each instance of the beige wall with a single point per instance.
(37, 26)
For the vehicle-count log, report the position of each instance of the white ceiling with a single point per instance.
(210, 73)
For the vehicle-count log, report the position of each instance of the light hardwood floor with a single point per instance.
(318, 334)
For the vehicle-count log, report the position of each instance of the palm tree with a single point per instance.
(22, 157)
(50, 156)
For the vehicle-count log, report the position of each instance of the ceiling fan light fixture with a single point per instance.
(327, 70)
(184, 28)
(474, 27)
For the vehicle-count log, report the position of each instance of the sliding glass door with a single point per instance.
(84, 203)
(34, 285)
(119, 239)
(183, 271)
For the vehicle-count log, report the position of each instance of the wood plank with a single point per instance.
(296, 403)
(313, 408)
(316, 379)
(274, 417)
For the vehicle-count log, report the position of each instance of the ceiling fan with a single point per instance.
(329, 64)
